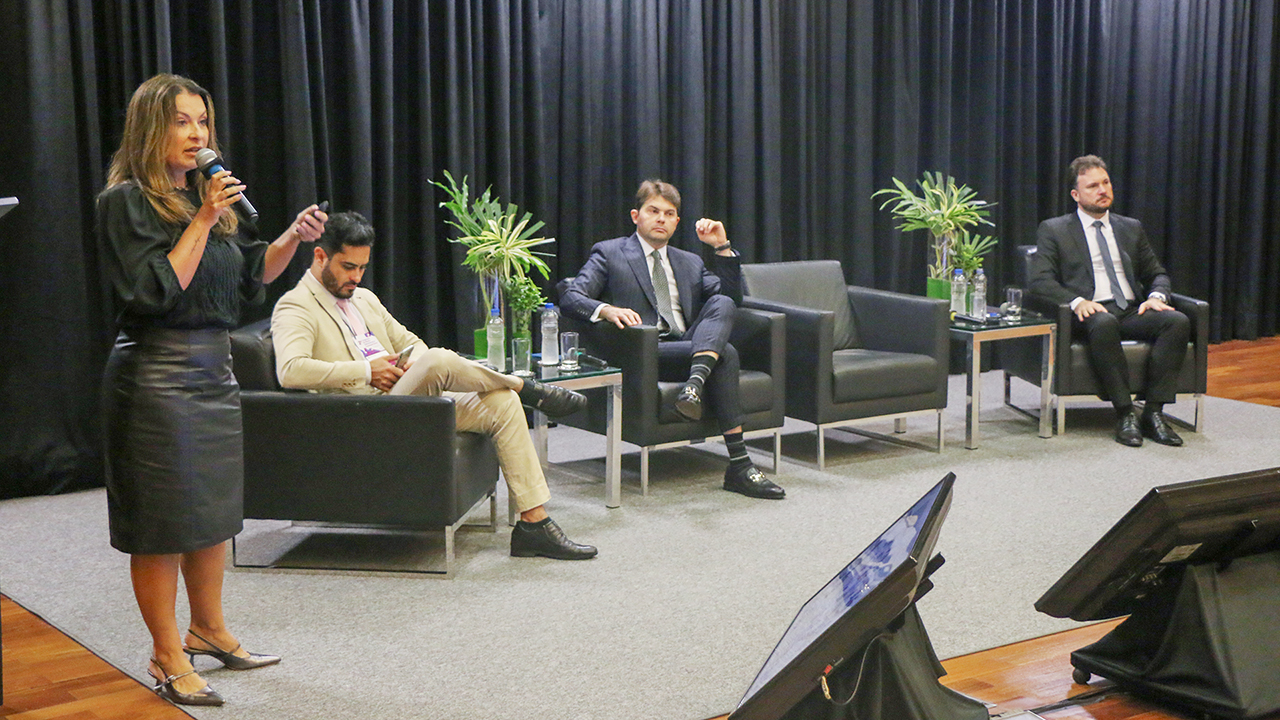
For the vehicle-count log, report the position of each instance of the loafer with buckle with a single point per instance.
(689, 403)
(545, 538)
(752, 483)
(1156, 427)
(553, 400)
(1127, 430)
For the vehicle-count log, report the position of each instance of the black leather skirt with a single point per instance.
(174, 446)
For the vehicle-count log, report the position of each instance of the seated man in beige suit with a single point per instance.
(331, 335)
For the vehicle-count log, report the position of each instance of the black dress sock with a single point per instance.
(699, 369)
(738, 457)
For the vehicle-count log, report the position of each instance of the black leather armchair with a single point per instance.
(363, 460)
(1073, 376)
(854, 353)
(648, 415)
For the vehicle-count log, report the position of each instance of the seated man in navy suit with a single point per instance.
(640, 279)
(1102, 264)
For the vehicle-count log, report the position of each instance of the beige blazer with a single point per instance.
(315, 349)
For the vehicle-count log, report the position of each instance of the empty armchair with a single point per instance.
(1073, 377)
(366, 460)
(853, 353)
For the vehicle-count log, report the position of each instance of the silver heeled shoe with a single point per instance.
(165, 689)
(229, 657)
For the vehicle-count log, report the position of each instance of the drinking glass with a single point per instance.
(521, 356)
(569, 351)
(1012, 307)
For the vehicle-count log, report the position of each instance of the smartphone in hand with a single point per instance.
(404, 357)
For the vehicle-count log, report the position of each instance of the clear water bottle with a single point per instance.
(978, 301)
(495, 336)
(550, 336)
(958, 290)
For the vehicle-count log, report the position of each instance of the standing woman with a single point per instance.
(181, 262)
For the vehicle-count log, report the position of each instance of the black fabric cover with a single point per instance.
(1209, 641)
(899, 682)
(818, 284)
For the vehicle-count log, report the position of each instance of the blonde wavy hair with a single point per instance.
(144, 148)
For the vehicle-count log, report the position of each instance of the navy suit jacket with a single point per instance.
(616, 273)
(1062, 269)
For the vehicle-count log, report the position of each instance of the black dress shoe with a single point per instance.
(689, 403)
(228, 657)
(752, 483)
(545, 538)
(1127, 431)
(553, 400)
(165, 689)
(1156, 427)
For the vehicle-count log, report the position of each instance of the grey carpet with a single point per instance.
(692, 588)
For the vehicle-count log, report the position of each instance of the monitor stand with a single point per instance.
(899, 681)
(1207, 641)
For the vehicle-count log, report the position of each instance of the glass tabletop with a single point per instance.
(1027, 319)
(555, 372)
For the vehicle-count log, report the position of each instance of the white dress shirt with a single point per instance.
(1102, 283)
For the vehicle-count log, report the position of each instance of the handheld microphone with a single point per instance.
(209, 163)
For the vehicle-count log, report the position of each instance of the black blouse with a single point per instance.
(134, 244)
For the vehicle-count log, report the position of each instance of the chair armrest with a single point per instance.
(809, 345)
(301, 413)
(635, 351)
(401, 451)
(1061, 314)
(761, 339)
(897, 322)
(1197, 311)
(806, 328)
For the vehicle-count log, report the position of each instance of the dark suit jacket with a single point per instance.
(617, 274)
(1062, 270)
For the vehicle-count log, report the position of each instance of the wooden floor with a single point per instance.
(51, 677)
(48, 675)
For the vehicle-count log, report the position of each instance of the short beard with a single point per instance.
(1095, 209)
(331, 284)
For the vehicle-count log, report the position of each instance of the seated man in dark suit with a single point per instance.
(640, 279)
(1102, 264)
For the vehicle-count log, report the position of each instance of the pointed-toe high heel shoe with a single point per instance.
(229, 657)
(165, 689)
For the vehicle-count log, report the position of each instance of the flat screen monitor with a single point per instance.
(855, 606)
(7, 204)
(1210, 520)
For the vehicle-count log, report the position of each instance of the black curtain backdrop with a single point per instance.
(780, 117)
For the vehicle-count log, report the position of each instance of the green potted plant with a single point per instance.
(523, 298)
(943, 208)
(500, 246)
(967, 250)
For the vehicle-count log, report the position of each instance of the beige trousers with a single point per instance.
(485, 401)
